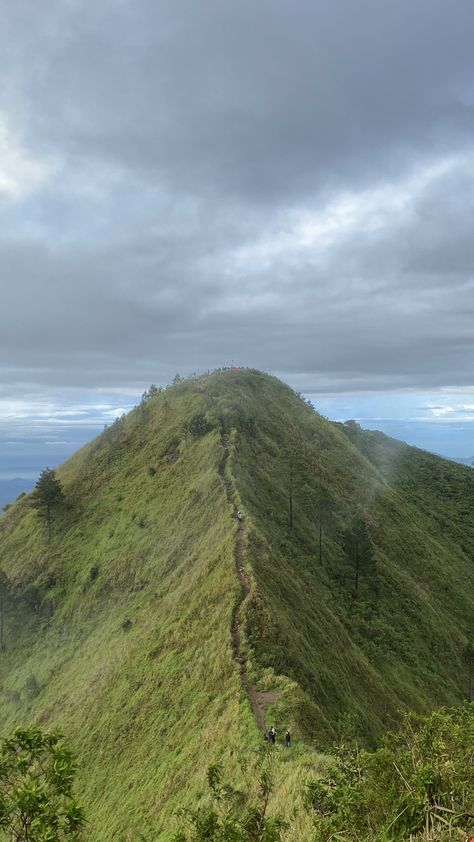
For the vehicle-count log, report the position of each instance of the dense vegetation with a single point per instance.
(117, 628)
(36, 778)
(420, 781)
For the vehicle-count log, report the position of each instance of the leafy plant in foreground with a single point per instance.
(225, 821)
(420, 781)
(36, 776)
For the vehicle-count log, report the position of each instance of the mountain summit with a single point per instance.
(227, 559)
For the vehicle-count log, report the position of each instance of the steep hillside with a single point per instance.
(161, 634)
(399, 641)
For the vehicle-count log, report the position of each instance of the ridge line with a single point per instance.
(257, 709)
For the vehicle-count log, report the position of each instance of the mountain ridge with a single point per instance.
(131, 613)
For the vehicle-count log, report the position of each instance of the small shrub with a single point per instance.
(198, 426)
(50, 581)
(93, 573)
(126, 624)
(151, 471)
(31, 687)
(32, 596)
(250, 426)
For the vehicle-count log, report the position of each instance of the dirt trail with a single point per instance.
(259, 700)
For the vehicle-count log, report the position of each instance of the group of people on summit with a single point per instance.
(272, 734)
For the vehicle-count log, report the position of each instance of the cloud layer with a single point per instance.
(290, 185)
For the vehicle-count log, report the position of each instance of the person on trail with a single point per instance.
(272, 734)
(287, 738)
(239, 516)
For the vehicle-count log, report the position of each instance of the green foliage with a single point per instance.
(36, 777)
(47, 495)
(225, 820)
(197, 426)
(421, 780)
(150, 393)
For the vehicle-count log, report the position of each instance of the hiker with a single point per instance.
(287, 738)
(272, 735)
(239, 516)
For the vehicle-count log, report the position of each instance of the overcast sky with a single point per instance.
(289, 185)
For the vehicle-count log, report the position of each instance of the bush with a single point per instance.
(32, 688)
(50, 581)
(421, 780)
(36, 775)
(198, 426)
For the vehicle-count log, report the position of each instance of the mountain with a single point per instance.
(11, 488)
(469, 461)
(161, 633)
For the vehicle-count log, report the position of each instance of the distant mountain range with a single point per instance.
(11, 488)
(469, 461)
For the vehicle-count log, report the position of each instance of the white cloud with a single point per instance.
(308, 235)
(20, 173)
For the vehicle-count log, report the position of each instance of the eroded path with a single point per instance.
(259, 700)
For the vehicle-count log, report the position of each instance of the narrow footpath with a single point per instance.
(259, 700)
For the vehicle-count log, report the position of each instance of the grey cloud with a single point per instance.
(264, 100)
(187, 141)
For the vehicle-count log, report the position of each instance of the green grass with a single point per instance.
(369, 656)
(118, 629)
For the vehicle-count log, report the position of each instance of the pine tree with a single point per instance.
(359, 553)
(3, 598)
(47, 495)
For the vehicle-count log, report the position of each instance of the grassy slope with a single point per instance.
(149, 707)
(140, 704)
(359, 660)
